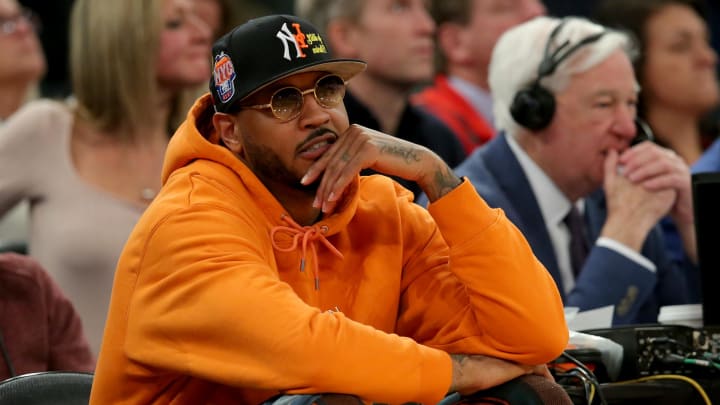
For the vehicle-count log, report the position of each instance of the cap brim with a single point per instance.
(345, 68)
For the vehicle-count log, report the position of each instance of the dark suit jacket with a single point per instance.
(607, 276)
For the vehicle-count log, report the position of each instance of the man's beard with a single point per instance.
(268, 167)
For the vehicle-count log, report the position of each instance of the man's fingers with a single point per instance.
(340, 169)
(611, 167)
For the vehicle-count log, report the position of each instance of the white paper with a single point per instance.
(570, 313)
(598, 318)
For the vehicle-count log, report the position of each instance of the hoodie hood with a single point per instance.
(189, 144)
(197, 140)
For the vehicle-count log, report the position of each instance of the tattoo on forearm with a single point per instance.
(457, 363)
(445, 181)
(408, 155)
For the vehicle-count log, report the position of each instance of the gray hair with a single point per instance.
(520, 50)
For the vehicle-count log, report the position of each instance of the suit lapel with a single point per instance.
(526, 214)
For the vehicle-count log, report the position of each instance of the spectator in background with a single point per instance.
(676, 68)
(586, 8)
(396, 40)
(218, 15)
(39, 328)
(22, 65)
(223, 15)
(90, 166)
(466, 34)
(565, 174)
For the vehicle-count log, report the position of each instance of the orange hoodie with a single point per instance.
(216, 301)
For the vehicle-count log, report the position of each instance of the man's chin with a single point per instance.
(311, 188)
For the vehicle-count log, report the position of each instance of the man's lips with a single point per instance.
(317, 145)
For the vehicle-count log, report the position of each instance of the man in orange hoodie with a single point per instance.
(267, 266)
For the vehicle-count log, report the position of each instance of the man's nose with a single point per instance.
(312, 113)
(624, 124)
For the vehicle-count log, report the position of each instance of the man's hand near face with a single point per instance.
(656, 169)
(360, 148)
(632, 208)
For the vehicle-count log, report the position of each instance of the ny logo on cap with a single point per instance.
(287, 38)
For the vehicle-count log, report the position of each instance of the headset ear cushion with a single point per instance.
(533, 107)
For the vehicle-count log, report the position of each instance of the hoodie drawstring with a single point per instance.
(308, 234)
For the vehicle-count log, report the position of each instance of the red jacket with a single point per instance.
(39, 326)
(456, 112)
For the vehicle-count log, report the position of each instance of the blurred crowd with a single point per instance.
(91, 92)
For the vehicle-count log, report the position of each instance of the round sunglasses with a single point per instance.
(287, 103)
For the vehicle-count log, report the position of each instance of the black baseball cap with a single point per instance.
(266, 49)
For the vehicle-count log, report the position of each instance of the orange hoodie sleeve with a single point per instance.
(490, 295)
(202, 279)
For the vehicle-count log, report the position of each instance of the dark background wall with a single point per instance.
(54, 15)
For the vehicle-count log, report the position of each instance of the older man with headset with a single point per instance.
(565, 173)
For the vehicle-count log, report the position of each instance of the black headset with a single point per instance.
(534, 106)
(643, 132)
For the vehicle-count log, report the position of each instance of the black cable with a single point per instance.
(666, 339)
(589, 374)
(6, 356)
(586, 383)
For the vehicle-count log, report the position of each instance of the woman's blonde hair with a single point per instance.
(113, 48)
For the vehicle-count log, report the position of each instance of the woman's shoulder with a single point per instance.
(43, 109)
(39, 118)
(21, 271)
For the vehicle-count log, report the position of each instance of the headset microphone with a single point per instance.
(534, 106)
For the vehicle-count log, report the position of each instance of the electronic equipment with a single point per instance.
(666, 349)
(656, 358)
(706, 206)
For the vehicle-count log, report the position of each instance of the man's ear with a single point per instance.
(226, 127)
(342, 36)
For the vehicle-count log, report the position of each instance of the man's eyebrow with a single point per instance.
(613, 93)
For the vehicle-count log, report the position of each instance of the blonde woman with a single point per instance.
(90, 166)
